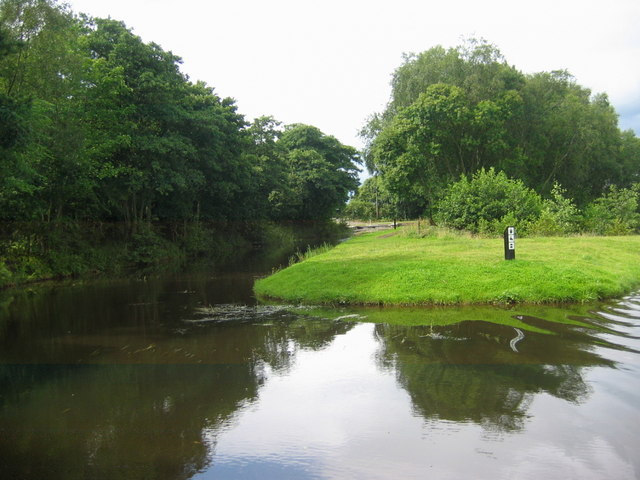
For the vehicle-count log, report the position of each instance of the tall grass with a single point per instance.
(424, 229)
(301, 256)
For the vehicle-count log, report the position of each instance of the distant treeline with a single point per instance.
(454, 112)
(98, 127)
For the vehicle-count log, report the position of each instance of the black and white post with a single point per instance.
(510, 243)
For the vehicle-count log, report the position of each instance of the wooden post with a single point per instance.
(510, 243)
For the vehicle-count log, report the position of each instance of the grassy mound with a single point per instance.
(395, 269)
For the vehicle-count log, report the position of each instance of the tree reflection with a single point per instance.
(142, 412)
(137, 379)
(474, 372)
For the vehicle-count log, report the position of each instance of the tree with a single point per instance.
(320, 172)
(267, 157)
(442, 135)
(629, 158)
(455, 111)
(568, 136)
(372, 201)
(11, 128)
(176, 150)
(615, 212)
(46, 72)
(476, 67)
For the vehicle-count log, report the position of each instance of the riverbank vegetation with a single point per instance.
(456, 112)
(110, 156)
(441, 267)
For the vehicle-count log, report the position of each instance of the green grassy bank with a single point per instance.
(395, 269)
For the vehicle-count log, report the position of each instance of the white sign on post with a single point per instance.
(511, 237)
(510, 243)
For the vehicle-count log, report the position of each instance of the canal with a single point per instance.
(187, 376)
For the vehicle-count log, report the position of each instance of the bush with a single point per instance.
(148, 248)
(559, 215)
(358, 209)
(487, 203)
(497, 226)
(615, 213)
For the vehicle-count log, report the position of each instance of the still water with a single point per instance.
(185, 376)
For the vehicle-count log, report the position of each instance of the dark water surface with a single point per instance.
(185, 376)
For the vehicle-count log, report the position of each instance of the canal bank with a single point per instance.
(186, 376)
(398, 268)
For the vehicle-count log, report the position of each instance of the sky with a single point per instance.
(329, 63)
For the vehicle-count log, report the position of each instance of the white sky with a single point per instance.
(328, 63)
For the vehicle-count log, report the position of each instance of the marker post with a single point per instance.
(510, 243)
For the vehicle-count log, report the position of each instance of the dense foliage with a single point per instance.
(488, 202)
(103, 130)
(454, 112)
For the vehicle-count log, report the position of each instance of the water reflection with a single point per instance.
(142, 410)
(186, 377)
(470, 372)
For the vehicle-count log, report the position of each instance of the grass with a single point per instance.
(301, 256)
(395, 268)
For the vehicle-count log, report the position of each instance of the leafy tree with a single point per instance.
(11, 128)
(455, 111)
(13, 137)
(441, 136)
(320, 172)
(148, 162)
(568, 137)
(176, 151)
(46, 71)
(267, 157)
(615, 212)
(629, 158)
(476, 67)
(372, 201)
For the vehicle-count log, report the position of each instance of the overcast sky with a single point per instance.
(328, 63)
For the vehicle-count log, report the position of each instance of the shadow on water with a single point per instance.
(138, 379)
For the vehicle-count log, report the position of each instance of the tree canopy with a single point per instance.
(455, 111)
(97, 124)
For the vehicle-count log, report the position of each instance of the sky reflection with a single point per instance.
(339, 413)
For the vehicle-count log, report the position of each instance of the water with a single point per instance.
(186, 377)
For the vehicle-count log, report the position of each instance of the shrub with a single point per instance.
(148, 248)
(487, 203)
(615, 213)
(358, 209)
(559, 215)
(498, 225)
